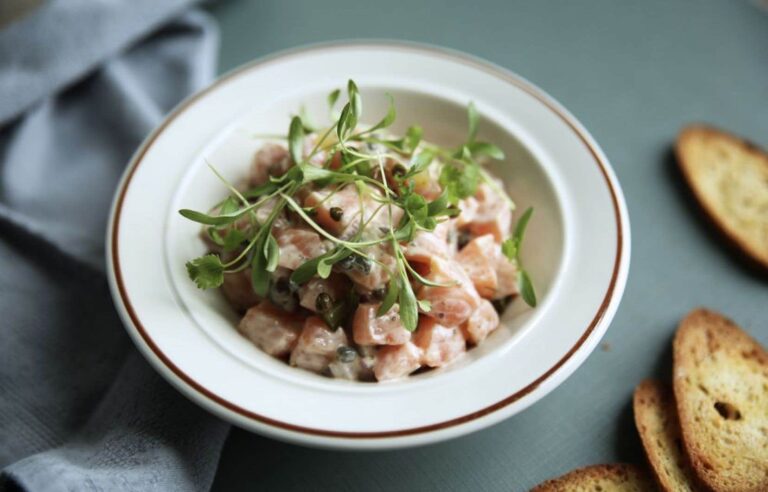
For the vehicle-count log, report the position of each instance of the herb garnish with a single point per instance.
(355, 157)
(511, 249)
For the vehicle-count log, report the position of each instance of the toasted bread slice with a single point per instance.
(604, 478)
(729, 177)
(657, 423)
(721, 390)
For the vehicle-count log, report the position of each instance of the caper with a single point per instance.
(283, 285)
(283, 294)
(323, 302)
(378, 294)
(464, 238)
(501, 304)
(398, 171)
(346, 354)
(336, 213)
(363, 265)
(347, 263)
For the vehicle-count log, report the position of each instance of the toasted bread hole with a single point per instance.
(727, 411)
(703, 389)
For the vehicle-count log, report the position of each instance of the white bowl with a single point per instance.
(577, 247)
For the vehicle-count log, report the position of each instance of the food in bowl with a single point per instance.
(361, 255)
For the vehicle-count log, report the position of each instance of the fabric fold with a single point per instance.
(80, 409)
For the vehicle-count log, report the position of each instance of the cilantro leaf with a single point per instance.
(206, 271)
(459, 181)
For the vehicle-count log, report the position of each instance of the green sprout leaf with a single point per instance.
(425, 306)
(419, 163)
(271, 253)
(413, 137)
(305, 271)
(261, 190)
(296, 140)
(259, 274)
(388, 119)
(206, 271)
(527, 290)
(509, 249)
(409, 311)
(354, 99)
(233, 239)
(215, 220)
(459, 181)
(393, 289)
(341, 310)
(485, 148)
(522, 223)
(333, 97)
(346, 122)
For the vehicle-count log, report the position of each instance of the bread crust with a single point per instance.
(691, 136)
(613, 477)
(657, 423)
(721, 392)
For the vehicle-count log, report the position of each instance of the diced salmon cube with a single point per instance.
(425, 246)
(317, 345)
(270, 160)
(493, 215)
(370, 329)
(506, 274)
(479, 258)
(440, 345)
(238, 291)
(335, 286)
(396, 361)
(265, 210)
(453, 304)
(297, 245)
(483, 321)
(468, 207)
(272, 330)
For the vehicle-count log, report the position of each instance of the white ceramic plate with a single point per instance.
(577, 247)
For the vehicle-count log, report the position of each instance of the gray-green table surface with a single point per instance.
(633, 73)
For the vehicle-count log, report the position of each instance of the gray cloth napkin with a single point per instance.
(81, 83)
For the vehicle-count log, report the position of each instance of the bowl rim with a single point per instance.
(615, 287)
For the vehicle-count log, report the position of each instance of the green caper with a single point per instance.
(336, 213)
(398, 171)
(501, 304)
(464, 238)
(378, 294)
(323, 302)
(346, 354)
(363, 264)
